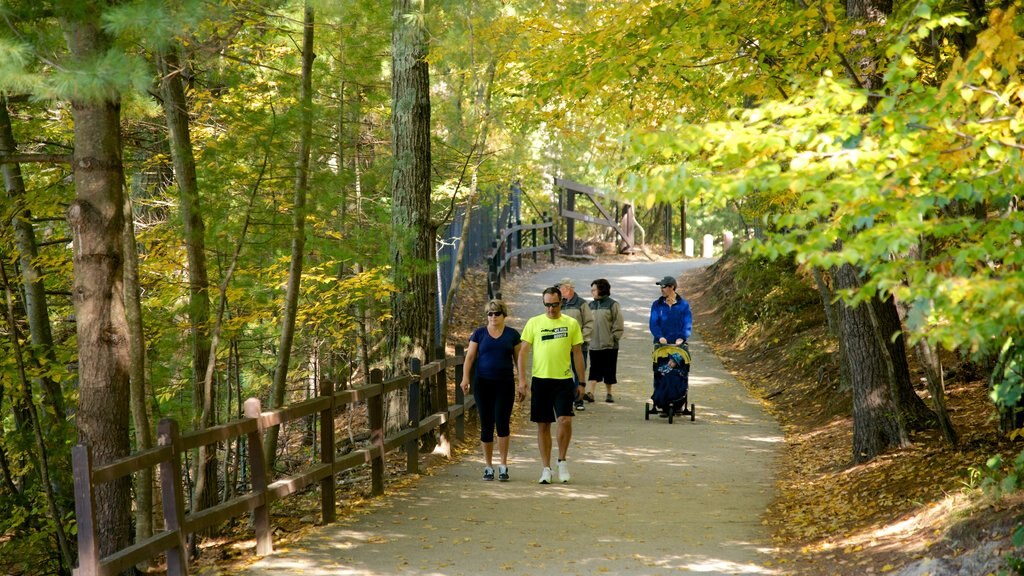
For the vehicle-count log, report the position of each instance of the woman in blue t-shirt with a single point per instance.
(494, 349)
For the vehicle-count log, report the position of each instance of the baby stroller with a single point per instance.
(671, 366)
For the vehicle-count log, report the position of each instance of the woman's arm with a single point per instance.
(467, 366)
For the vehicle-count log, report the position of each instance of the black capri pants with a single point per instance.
(494, 400)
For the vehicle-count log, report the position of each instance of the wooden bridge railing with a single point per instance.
(172, 444)
(509, 246)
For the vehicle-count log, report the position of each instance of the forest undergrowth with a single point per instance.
(913, 512)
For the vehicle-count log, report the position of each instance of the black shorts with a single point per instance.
(550, 398)
(603, 364)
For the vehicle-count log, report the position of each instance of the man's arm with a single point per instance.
(687, 322)
(524, 351)
(577, 359)
(652, 322)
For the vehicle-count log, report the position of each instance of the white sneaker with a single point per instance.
(545, 476)
(563, 471)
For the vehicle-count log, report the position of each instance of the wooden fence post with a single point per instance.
(375, 407)
(533, 234)
(171, 493)
(412, 450)
(327, 499)
(519, 242)
(85, 506)
(441, 403)
(493, 278)
(258, 471)
(549, 234)
(460, 397)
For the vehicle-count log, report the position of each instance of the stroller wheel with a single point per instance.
(693, 412)
(647, 413)
(671, 413)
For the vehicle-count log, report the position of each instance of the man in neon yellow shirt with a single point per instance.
(554, 339)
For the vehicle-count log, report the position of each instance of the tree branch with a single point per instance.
(6, 158)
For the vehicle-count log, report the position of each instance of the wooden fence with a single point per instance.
(508, 247)
(172, 445)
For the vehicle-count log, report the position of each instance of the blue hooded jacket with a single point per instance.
(671, 322)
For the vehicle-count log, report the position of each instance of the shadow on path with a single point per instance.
(646, 497)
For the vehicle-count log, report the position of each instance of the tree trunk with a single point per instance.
(914, 411)
(96, 219)
(877, 422)
(31, 276)
(204, 394)
(929, 359)
(284, 350)
(137, 376)
(826, 301)
(413, 247)
(412, 250)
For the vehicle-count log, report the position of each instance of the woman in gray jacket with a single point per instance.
(604, 338)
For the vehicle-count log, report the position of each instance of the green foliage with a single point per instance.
(925, 169)
(1008, 377)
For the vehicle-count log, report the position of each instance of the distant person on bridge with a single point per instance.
(554, 338)
(671, 320)
(577, 307)
(604, 340)
(494, 349)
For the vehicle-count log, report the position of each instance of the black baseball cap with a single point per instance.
(667, 281)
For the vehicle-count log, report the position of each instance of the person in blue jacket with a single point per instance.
(671, 320)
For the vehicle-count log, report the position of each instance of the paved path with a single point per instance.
(646, 497)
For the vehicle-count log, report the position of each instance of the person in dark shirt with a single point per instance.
(494, 350)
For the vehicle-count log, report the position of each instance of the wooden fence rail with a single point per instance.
(172, 445)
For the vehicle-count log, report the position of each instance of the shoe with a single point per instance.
(503, 473)
(563, 472)
(609, 399)
(579, 406)
(488, 473)
(545, 476)
(589, 397)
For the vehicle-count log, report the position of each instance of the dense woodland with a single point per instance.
(208, 201)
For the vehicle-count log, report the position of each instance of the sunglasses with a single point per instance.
(495, 314)
(552, 304)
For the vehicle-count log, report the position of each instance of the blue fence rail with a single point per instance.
(496, 238)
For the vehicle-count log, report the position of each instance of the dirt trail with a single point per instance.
(646, 497)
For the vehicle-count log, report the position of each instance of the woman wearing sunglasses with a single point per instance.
(493, 349)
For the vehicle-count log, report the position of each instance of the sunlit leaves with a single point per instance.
(930, 164)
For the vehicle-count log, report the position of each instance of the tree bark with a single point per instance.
(137, 376)
(412, 249)
(204, 394)
(913, 410)
(877, 422)
(284, 350)
(826, 301)
(96, 219)
(929, 359)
